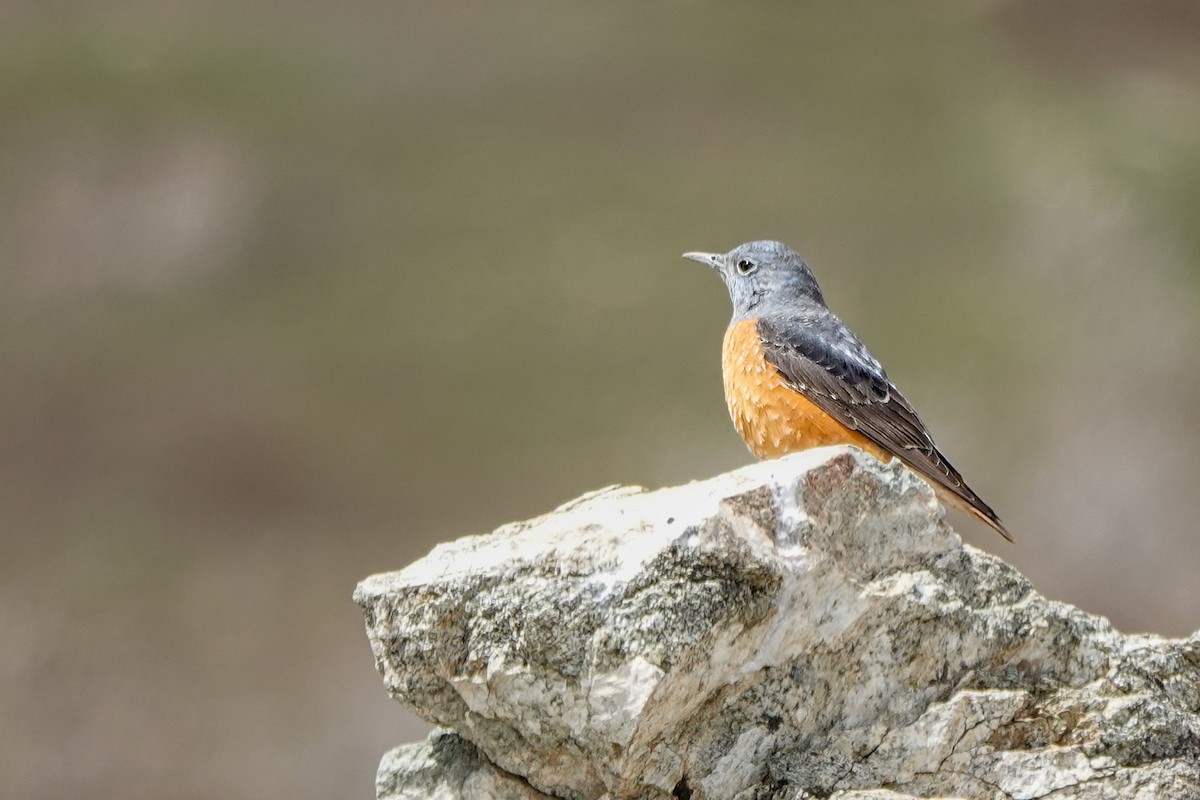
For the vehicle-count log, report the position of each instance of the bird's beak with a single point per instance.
(709, 259)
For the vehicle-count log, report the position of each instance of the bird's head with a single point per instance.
(763, 276)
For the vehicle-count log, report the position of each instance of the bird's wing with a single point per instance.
(834, 370)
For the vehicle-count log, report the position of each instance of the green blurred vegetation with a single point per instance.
(290, 292)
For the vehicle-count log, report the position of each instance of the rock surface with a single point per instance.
(807, 627)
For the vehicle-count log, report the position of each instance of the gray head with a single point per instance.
(763, 276)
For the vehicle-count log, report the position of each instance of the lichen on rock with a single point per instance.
(806, 627)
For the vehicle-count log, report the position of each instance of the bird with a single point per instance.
(797, 377)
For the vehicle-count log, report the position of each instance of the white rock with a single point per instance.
(807, 627)
(446, 767)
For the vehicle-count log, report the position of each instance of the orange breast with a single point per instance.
(772, 418)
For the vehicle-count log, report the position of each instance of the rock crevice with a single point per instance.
(807, 627)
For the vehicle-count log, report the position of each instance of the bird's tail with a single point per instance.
(979, 509)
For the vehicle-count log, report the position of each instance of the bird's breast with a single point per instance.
(771, 417)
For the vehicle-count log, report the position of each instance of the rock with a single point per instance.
(447, 767)
(807, 627)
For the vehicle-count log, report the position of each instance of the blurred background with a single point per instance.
(290, 292)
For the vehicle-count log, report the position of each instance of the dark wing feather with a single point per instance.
(820, 358)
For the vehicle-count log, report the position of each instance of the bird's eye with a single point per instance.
(745, 266)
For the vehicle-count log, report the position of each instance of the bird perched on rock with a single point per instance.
(796, 377)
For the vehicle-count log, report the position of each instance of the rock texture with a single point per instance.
(807, 627)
